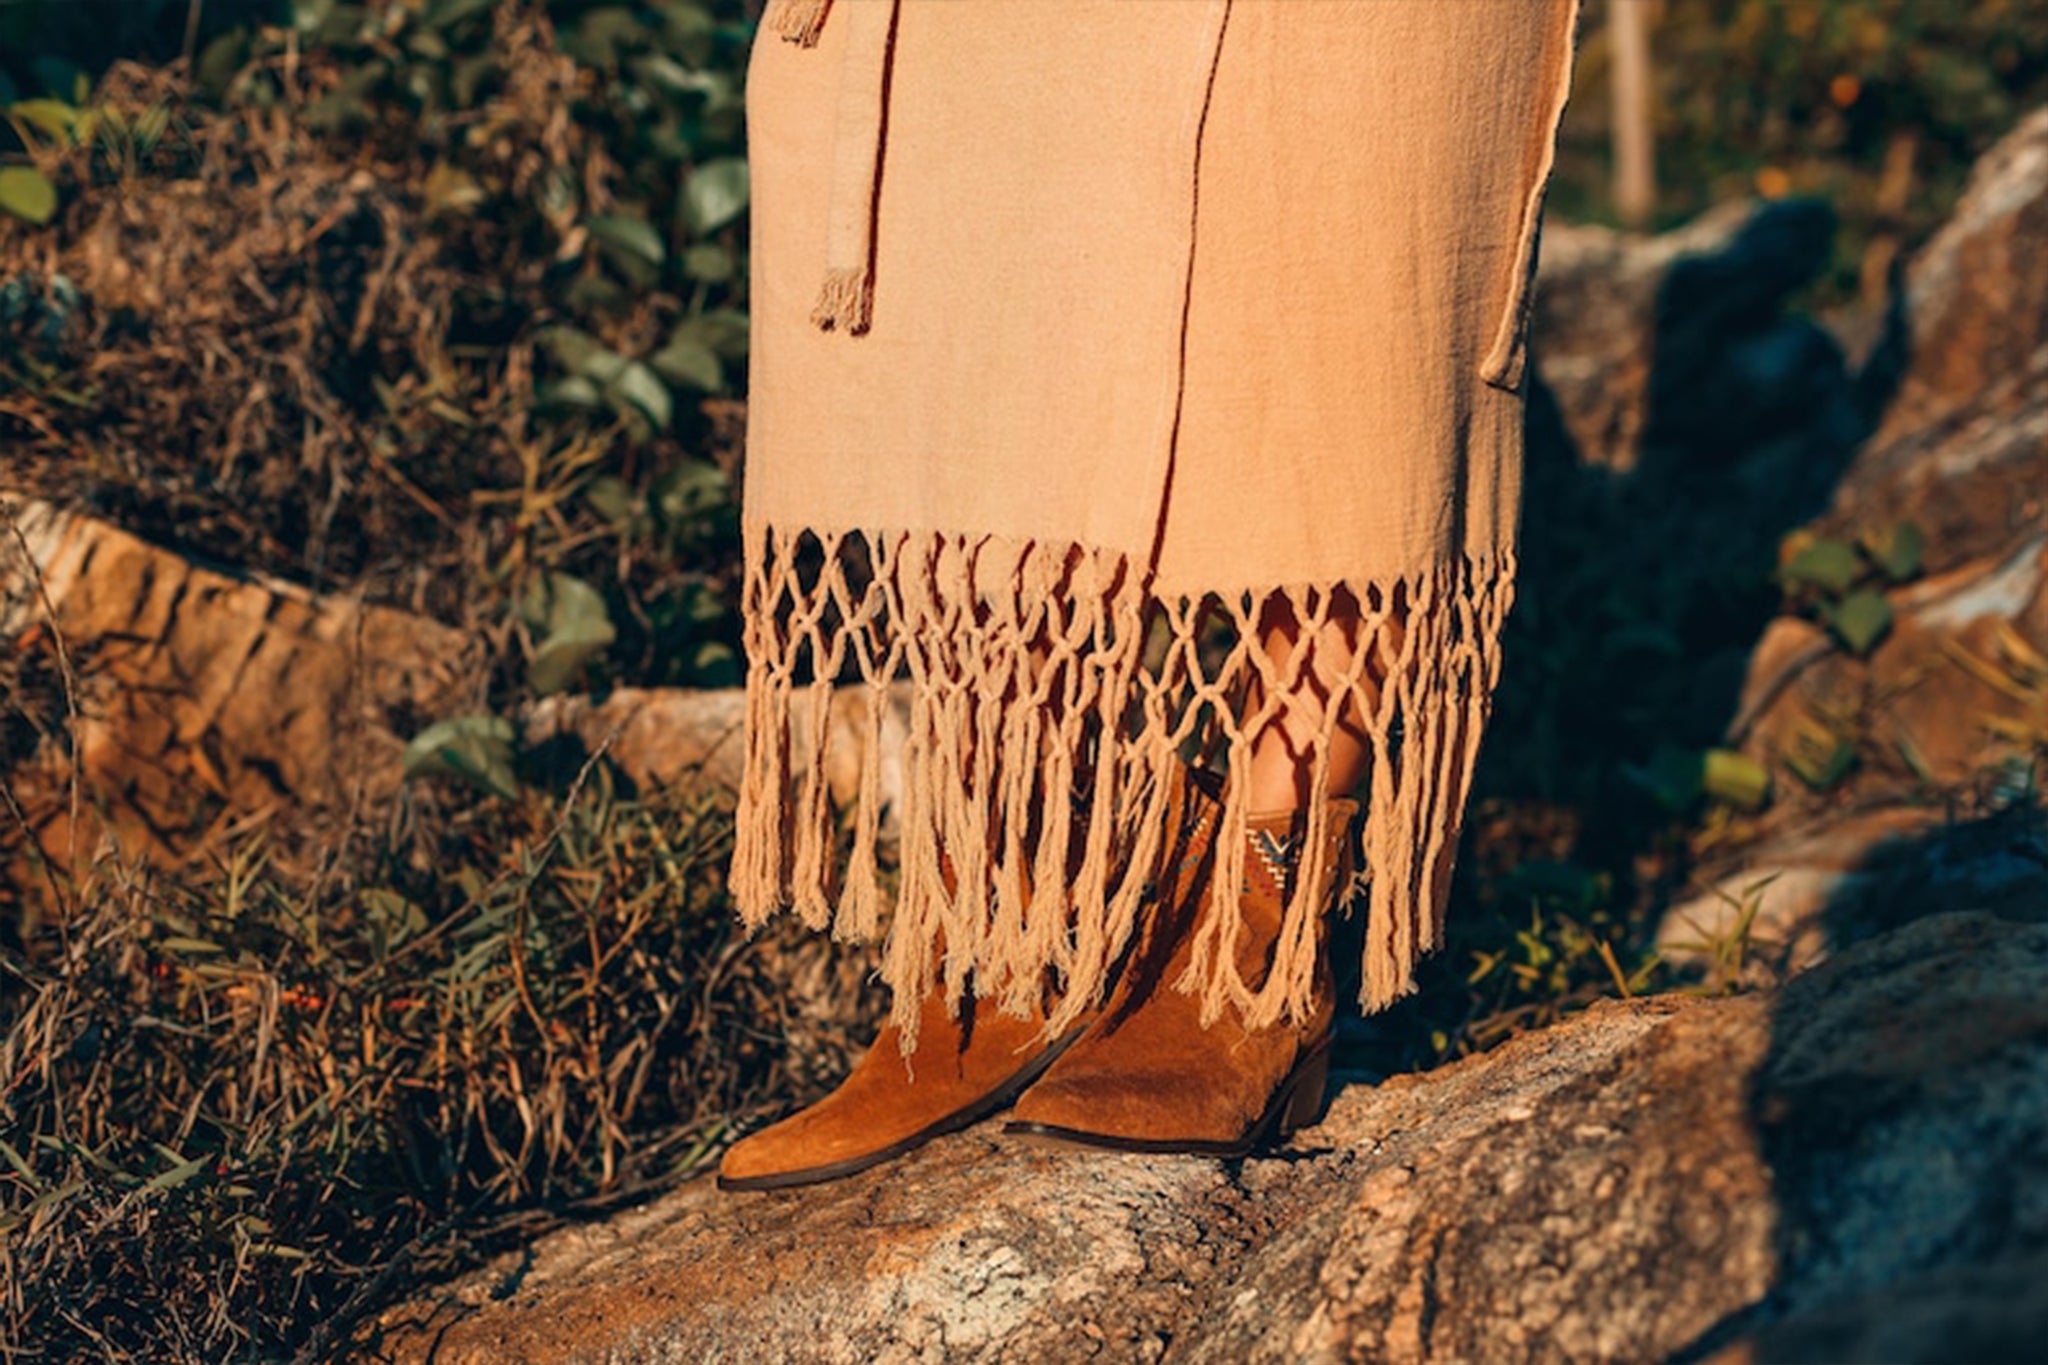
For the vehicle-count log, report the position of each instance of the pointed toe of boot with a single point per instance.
(814, 1144)
(887, 1107)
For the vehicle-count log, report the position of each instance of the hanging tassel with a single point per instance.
(846, 300)
(798, 21)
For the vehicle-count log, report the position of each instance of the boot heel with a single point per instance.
(1305, 1102)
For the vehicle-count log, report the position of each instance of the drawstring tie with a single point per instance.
(847, 297)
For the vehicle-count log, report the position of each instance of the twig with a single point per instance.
(192, 14)
(67, 676)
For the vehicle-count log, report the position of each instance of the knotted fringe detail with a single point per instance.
(1412, 663)
(1053, 705)
(797, 21)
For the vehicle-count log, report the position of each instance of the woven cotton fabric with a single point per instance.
(1084, 329)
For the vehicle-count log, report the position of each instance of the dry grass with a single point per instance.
(238, 1108)
(295, 350)
(241, 1105)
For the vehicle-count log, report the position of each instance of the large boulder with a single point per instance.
(1844, 1160)
(1957, 693)
(200, 690)
(206, 690)
(1682, 348)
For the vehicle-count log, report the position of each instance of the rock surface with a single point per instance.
(1680, 346)
(660, 737)
(1649, 1178)
(210, 690)
(1959, 687)
(202, 689)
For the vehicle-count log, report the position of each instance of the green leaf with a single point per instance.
(27, 194)
(613, 499)
(666, 73)
(709, 262)
(222, 60)
(1860, 619)
(689, 363)
(392, 918)
(642, 389)
(1831, 565)
(634, 237)
(477, 749)
(444, 14)
(449, 189)
(715, 194)
(337, 112)
(713, 663)
(724, 330)
(150, 126)
(427, 45)
(308, 15)
(18, 1162)
(1897, 551)
(570, 615)
(691, 490)
(1822, 771)
(55, 119)
(1673, 776)
(603, 34)
(178, 1174)
(582, 354)
(1736, 779)
(64, 79)
(574, 393)
(466, 79)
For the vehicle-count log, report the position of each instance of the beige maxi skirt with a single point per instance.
(1084, 329)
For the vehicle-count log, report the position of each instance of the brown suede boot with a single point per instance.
(964, 1067)
(1146, 1076)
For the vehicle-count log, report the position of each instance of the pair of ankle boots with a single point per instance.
(1142, 1073)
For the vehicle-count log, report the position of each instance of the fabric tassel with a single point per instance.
(846, 298)
(798, 21)
(846, 301)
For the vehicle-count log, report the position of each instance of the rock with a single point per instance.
(1785, 888)
(1678, 347)
(207, 690)
(662, 737)
(215, 689)
(1594, 316)
(1976, 305)
(1650, 1177)
(1963, 446)
(1959, 687)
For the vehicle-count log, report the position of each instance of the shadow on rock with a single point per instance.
(1902, 1109)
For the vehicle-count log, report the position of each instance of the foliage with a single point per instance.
(1879, 106)
(444, 302)
(1842, 584)
(527, 304)
(58, 48)
(241, 1106)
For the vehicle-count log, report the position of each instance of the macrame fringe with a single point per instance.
(1053, 707)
